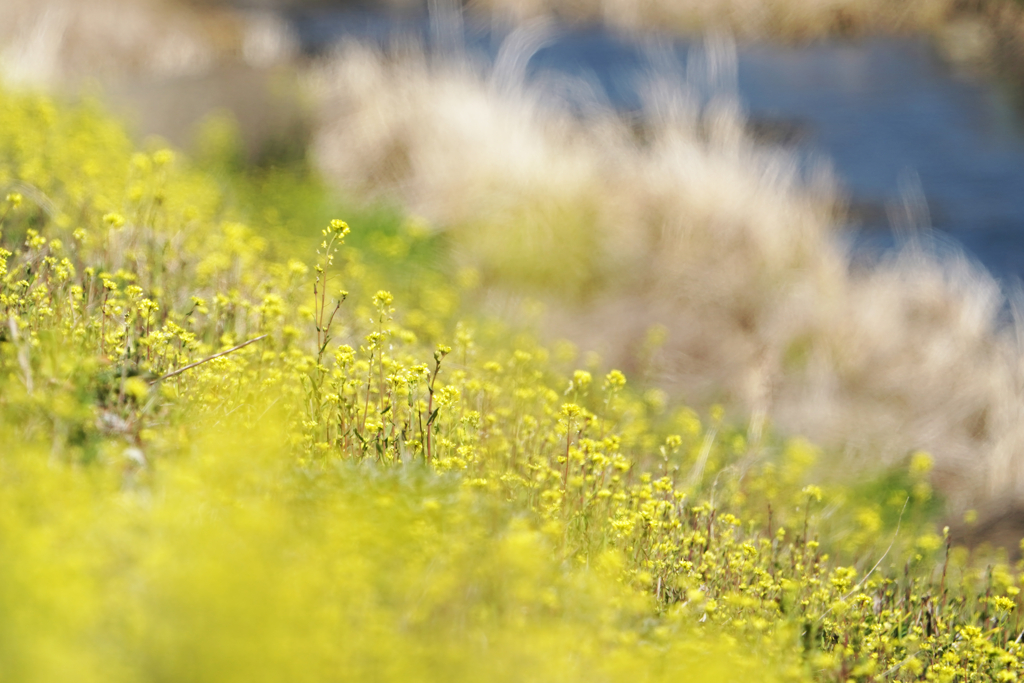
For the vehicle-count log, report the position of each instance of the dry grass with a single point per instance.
(60, 40)
(51, 42)
(794, 19)
(698, 231)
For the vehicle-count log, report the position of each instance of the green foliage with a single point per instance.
(225, 465)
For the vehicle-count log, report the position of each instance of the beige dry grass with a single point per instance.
(698, 230)
(61, 42)
(793, 19)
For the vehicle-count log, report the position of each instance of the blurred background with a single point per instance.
(920, 99)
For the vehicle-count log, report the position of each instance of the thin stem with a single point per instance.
(207, 360)
(568, 441)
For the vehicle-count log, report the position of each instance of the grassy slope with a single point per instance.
(374, 506)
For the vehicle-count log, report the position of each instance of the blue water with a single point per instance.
(887, 113)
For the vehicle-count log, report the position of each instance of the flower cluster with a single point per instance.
(227, 466)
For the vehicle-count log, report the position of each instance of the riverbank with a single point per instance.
(222, 464)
